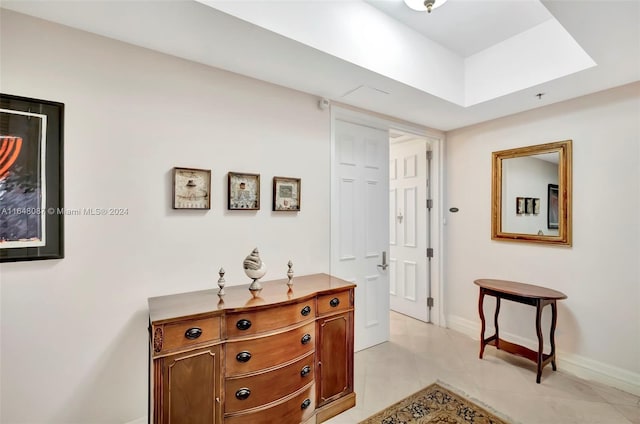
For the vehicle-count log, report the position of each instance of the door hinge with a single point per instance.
(429, 154)
(430, 302)
(429, 203)
(429, 252)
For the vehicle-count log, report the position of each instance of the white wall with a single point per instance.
(74, 331)
(599, 323)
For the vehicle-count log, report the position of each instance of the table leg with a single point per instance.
(552, 335)
(495, 322)
(481, 311)
(539, 333)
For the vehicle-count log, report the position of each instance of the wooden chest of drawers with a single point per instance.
(285, 356)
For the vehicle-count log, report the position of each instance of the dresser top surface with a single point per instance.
(238, 297)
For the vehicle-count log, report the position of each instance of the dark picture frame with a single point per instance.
(528, 205)
(520, 206)
(191, 188)
(536, 206)
(243, 191)
(31, 179)
(552, 207)
(286, 194)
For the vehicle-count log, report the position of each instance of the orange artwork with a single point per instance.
(9, 151)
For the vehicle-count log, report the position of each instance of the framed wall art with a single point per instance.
(528, 205)
(31, 179)
(552, 206)
(243, 191)
(519, 205)
(536, 206)
(286, 194)
(191, 188)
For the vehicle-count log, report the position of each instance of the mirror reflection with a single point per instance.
(528, 181)
(531, 194)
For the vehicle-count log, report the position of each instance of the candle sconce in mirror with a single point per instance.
(541, 173)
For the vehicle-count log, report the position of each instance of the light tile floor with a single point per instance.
(419, 354)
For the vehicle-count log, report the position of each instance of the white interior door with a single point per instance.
(360, 223)
(408, 287)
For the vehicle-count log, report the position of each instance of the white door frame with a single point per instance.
(436, 140)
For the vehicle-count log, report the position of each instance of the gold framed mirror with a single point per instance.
(531, 194)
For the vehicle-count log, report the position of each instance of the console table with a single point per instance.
(530, 295)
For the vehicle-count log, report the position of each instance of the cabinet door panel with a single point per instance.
(191, 387)
(335, 365)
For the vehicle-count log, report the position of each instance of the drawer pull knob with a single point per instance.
(305, 339)
(243, 393)
(243, 324)
(306, 310)
(305, 371)
(334, 302)
(243, 356)
(193, 333)
(305, 404)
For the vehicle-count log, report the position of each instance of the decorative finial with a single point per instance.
(290, 274)
(255, 269)
(221, 282)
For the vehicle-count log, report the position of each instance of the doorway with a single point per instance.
(409, 225)
(361, 216)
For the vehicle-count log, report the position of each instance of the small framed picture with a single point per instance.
(519, 205)
(536, 206)
(528, 205)
(552, 206)
(191, 188)
(286, 194)
(244, 191)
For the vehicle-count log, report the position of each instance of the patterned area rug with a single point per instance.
(435, 405)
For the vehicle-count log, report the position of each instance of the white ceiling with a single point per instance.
(464, 63)
(469, 26)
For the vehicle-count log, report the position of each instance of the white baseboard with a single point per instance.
(603, 373)
(577, 365)
(141, 420)
(464, 326)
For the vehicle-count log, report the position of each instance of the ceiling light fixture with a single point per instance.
(422, 5)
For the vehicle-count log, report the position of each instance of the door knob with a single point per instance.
(384, 265)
